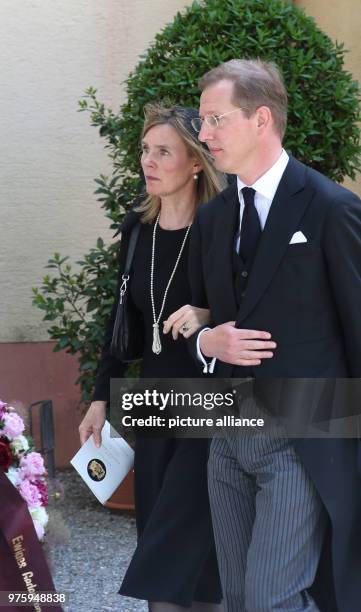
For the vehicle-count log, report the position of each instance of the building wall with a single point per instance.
(51, 52)
(32, 372)
(342, 22)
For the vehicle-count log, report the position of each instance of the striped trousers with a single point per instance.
(269, 524)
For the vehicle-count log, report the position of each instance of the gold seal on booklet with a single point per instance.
(96, 470)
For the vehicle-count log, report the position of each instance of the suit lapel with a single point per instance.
(289, 204)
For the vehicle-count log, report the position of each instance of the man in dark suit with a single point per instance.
(279, 251)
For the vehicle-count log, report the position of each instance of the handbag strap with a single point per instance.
(128, 262)
(131, 248)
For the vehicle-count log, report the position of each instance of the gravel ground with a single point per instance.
(90, 566)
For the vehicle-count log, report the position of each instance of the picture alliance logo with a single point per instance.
(157, 399)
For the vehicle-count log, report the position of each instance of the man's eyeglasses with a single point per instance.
(211, 120)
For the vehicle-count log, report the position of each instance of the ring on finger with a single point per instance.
(185, 328)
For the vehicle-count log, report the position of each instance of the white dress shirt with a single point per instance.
(265, 188)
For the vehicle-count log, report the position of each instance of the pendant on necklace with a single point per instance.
(156, 347)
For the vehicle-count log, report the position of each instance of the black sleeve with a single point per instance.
(198, 293)
(109, 366)
(195, 267)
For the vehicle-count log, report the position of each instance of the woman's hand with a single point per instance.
(186, 321)
(93, 423)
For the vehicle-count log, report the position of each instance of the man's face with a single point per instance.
(233, 142)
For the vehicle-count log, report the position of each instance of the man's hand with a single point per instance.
(241, 347)
(93, 423)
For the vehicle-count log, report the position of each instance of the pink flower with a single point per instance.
(13, 425)
(30, 493)
(32, 465)
(40, 531)
(43, 491)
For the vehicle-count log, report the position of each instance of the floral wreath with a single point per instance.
(23, 466)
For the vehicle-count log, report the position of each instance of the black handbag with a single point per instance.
(127, 340)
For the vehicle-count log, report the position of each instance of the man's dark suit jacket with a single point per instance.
(308, 296)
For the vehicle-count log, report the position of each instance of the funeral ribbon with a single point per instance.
(23, 566)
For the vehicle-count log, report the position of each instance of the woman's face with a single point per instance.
(167, 166)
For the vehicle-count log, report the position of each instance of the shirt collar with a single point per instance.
(267, 184)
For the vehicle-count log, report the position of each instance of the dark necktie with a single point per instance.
(250, 228)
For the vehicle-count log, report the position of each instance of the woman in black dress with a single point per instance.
(174, 566)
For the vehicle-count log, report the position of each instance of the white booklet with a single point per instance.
(104, 468)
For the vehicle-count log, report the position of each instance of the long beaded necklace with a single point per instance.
(157, 346)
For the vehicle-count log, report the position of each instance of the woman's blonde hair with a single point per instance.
(210, 182)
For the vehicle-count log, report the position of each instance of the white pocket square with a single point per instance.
(297, 238)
